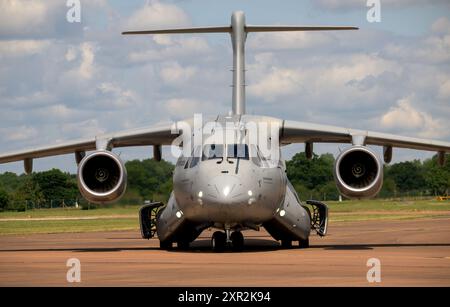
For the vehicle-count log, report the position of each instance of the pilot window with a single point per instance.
(258, 158)
(238, 151)
(196, 157)
(212, 151)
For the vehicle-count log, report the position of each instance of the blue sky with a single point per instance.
(62, 81)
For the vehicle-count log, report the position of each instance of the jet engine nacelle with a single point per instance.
(102, 177)
(358, 172)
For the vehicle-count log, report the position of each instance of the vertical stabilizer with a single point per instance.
(238, 30)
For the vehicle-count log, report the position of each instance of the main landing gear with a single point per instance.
(221, 240)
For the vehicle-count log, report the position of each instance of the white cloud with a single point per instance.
(20, 48)
(71, 54)
(57, 111)
(174, 73)
(444, 89)
(87, 60)
(407, 118)
(277, 83)
(116, 96)
(84, 69)
(321, 80)
(289, 40)
(16, 134)
(17, 16)
(32, 100)
(441, 25)
(156, 14)
(171, 49)
(185, 107)
(85, 128)
(362, 4)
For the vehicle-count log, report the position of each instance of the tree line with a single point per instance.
(152, 180)
(314, 178)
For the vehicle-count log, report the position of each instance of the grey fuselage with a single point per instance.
(232, 192)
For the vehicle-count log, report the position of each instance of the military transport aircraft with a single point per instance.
(227, 181)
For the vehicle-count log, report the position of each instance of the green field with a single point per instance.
(126, 218)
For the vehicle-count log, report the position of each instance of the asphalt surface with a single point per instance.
(411, 253)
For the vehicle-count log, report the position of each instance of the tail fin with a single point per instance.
(238, 31)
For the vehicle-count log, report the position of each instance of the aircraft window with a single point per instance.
(194, 161)
(212, 151)
(237, 151)
(255, 156)
(196, 158)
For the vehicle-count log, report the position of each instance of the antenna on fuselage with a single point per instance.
(238, 30)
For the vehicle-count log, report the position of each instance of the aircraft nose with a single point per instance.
(226, 189)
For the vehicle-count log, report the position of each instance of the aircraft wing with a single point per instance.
(158, 135)
(300, 132)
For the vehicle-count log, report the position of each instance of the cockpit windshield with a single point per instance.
(216, 151)
(237, 151)
(212, 151)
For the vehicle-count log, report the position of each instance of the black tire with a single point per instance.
(165, 245)
(303, 243)
(286, 243)
(183, 245)
(218, 241)
(237, 240)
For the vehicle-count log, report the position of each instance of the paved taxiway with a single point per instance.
(412, 253)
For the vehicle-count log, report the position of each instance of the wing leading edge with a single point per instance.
(158, 135)
(300, 132)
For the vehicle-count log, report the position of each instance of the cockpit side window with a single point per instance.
(258, 158)
(255, 156)
(195, 157)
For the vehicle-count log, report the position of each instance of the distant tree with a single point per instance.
(150, 177)
(4, 200)
(10, 181)
(55, 184)
(28, 191)
(408, 176)
(313, 173)
(437, 177)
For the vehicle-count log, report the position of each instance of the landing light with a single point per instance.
(226, 191)
(200, 194)
(282, 213)
(179, 214)
(250, 193)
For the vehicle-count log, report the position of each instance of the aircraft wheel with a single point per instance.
(165, 245)
(286, 243)
(237, 240)
(183, 245)
(303, 243)
(218, 241)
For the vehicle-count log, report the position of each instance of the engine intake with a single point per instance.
(358, 173)
(102, 177)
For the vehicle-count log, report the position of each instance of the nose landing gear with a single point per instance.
(218, 241)
(221, 240)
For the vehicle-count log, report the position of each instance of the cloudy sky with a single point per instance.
(61, 80)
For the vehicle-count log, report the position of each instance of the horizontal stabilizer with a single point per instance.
(251, 28)
(220, 29)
